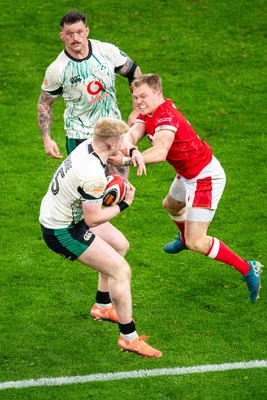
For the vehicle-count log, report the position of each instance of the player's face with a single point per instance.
(75, 38)
(147, 99)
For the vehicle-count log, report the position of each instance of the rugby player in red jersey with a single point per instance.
(199, 182)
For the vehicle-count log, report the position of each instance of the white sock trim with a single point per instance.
(130, 336)
(104, 306)
(215, 248)
(178, 218)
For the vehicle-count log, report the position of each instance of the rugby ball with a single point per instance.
(115, 190)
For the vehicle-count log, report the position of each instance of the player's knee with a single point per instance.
(127, 272)
(166, 204)
(124, 272)
(194, 244)
(123, 247)
(173, 207)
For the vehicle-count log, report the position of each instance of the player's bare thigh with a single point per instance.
(111, 235)
(104, 259)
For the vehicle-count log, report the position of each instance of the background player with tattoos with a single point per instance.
(84, 75)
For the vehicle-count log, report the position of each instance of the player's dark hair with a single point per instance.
(72, 17)
(152, 80)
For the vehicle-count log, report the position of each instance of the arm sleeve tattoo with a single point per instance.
(45, 112)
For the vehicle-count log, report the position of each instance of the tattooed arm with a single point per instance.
(132, 117)
(45, 103)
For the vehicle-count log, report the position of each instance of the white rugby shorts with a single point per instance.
(201, 194)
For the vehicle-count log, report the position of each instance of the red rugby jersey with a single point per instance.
(188, 154)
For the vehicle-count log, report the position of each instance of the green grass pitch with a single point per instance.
(212, 58)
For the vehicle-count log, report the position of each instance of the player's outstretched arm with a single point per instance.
(135, 158)
(161, 145)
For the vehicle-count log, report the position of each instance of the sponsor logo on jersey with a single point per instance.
(94, 87)
(75, 79)
(96, 99)
(164, 120)
(97, 190)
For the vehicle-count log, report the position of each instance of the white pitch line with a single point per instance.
(132, 374)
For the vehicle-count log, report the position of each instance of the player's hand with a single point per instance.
(130, 192)
(138, 161)
(116, 160)
(127, 146)
(52, 149)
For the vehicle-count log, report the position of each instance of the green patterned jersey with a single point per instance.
(87, 87)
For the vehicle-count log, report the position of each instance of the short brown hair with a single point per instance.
(71, 18)
(152, 80)
(110, 128)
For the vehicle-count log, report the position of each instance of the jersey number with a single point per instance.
(55, 183)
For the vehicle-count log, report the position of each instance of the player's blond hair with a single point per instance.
(110, 128)
(152, 80)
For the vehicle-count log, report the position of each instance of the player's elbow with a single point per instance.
(163, 158)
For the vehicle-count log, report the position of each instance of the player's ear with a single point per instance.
(110, 145)
(87, 31)
(61, 35)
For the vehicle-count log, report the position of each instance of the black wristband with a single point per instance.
(132, 150)
(122, 205)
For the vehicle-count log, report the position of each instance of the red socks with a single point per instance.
(180, 226)
(220, 252)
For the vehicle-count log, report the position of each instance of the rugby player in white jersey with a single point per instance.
(76, 225)
(84, 75)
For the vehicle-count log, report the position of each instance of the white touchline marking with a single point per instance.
(143, 373)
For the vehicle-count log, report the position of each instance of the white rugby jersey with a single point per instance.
(79, 178)
(87, 86)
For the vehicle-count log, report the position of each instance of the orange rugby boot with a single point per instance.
(139, 346)
(104, 314)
